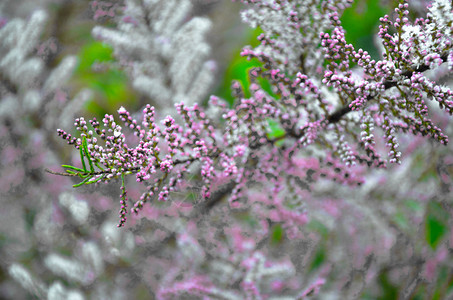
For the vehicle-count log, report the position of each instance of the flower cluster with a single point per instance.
(283, 194)
(109, 156)
(331, 102)
(390, 94)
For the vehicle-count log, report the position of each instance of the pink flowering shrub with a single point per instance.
(334, 183)
(327, 104)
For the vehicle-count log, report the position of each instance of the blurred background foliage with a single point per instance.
(97, 70)
(110, 84)
(361, 21)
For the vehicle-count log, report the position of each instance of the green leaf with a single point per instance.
(435, 230)
(123, 184)
(83, 182)
(436, 224)
(87, 154)
(275, 131)
(277, 234)
(96, 180)
(84, 175)
(72, 168)
(97, 165)
(83, 161)
(319, 258)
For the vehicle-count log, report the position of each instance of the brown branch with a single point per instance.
(226, 189)
(331, 119)
(59, 173)
(88, 173)
(215, 198)
(336, 116)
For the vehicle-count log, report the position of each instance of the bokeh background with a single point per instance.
(51, 233)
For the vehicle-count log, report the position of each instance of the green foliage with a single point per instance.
(321, 253)
(277, 234)
(319, 258)
(361, 21)
(388, 290)
(434, 231)
(110, 84)
(238, 70)
(94, 52)
(83, 173)
(274, 130)
(436, 224)
(318, 227)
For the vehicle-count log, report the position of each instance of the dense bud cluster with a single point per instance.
(280, 195)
